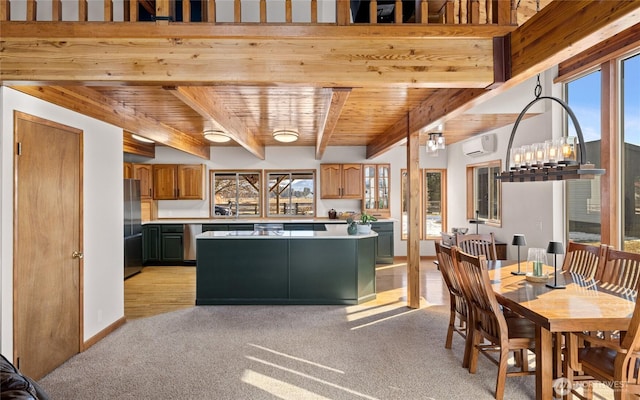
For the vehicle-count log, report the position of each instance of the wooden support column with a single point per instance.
(609, 189)
(413, 217)
(263, 11)
(373, 12)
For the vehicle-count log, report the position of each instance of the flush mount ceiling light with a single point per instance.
(215, 135)
(285, 135)
(436, 142)
(141, 139)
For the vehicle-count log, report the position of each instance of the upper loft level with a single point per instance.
(322, 12)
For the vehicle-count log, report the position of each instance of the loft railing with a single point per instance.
(337, 12)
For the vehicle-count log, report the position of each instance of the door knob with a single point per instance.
(77, 254)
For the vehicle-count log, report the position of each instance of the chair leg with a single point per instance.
(452, 321)
(524, 360)
(474, 351)
(468, 343)
(502, 372)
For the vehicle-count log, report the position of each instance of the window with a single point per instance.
(583, 196)
(236, 194)
(291, 193)
(484, 200)
(630, 191)
(433, 211)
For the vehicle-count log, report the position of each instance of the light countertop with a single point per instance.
(254, 221)
(332, 232)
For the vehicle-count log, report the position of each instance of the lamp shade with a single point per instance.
(216, 136)
(555, 248)
(519, 240)
(285, 135)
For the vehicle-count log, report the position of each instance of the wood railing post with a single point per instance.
(83, 11)
(422, 11)
(186, 10)
(314, 11)
(473, 12)
(398, 12)
(237, 11)
(502, 12)
(211, 11)
(287, 11)
(343, 12)
(449, 12)
(263, 11)
(163, 12)
(56, 10)
(32, 10)
(108, 11)
(373, 12)
(5, 10)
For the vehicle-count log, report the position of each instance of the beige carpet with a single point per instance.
(280, 352)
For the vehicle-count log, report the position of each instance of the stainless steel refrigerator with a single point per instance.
(132, 228)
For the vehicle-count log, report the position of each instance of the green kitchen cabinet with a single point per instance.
(150, 243)
(162, 244)
(384, 245)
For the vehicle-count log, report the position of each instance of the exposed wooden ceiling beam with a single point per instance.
(339, 97)
(87, 101)
(209, 105)
(373, 61)
(568, 27)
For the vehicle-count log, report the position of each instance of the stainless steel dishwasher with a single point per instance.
(190, 233)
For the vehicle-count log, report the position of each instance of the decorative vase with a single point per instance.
(364, 228)
(352, 228)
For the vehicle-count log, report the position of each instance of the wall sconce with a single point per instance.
(216, 136)
(285, 135)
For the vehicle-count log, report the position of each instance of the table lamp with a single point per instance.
(518, 240)
(555, 248)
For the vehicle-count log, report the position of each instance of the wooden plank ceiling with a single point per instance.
(333, 95)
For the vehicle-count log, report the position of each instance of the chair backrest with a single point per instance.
(448, 239)
(479, 294)
(478, 244)
(621, 269)
(628, 360)
(584, 259)
(447, 269)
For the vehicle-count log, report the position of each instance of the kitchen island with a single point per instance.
(285, 267)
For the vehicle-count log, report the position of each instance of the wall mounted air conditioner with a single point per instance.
(479, 145)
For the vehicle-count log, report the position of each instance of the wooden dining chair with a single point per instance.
(490, 330)
(478, 244)
(615, 363)
(584, 259)
(621, 271)
(458, 316)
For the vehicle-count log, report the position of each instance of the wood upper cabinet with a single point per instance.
(144, 173)
(377, 183)
(127, 169)
(178, 181)
(341, 181)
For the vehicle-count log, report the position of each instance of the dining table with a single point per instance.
(580, 304)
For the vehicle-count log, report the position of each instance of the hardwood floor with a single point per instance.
(158, 290)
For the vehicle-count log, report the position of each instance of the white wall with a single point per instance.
(103, 286)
